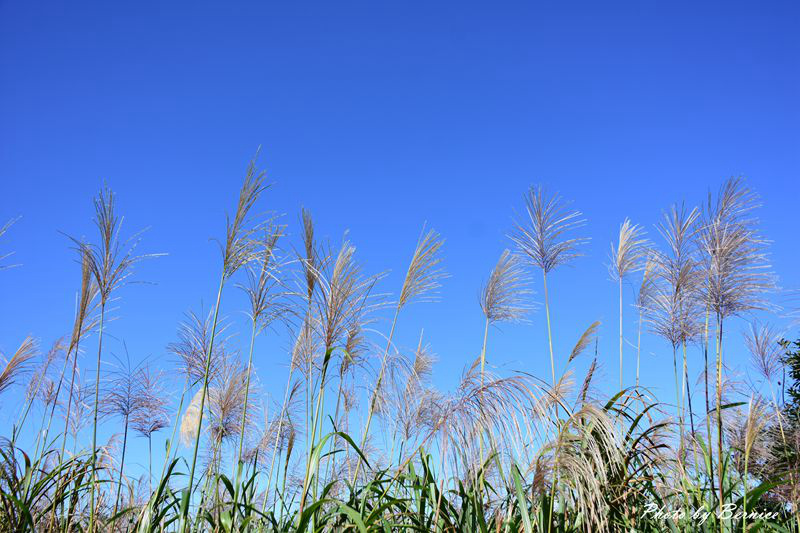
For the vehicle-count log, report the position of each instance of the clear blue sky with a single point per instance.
(379, 117)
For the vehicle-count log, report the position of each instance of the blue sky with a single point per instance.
(379, 117)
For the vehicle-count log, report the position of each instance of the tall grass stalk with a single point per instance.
(422, 278)
(541, 240)
(236, 252)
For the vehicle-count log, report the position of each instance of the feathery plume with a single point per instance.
(542, 238)
(587, 382)
(424, 274)
(342, 297)
(763, 342)
(192, 346)
(122, 395)
(18, 364)
(262, 281)
(226, 403)
(310, 262)
(584, 341)
(238, 248)
(112, 260)
(152, 416)
(736, 267)
(190, 419)
(502, 295)
(629, 253)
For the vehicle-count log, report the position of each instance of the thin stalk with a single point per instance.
(708, 403)
(483, 377)
(638, 346)
(332, 447)
(55, 399)
(316, 422)
(553, 371)
(719, 410)
(678, 399)
(28, 405)
(687, 388)
(620, 333)
(168, 454)
(689, 398)
(150, 463)
(374, 398)
(69, 398)
(96, 407)
(188, 494)
(277, 437)
(549, 331)
(121, 465)
(238, 466)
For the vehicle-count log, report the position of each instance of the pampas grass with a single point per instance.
(500, 450)
(542, 240)
(627, 256)
(18, 364)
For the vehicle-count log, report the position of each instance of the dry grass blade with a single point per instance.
(629, 253)
(18, 364)
(584, 341)
(502, 297)
(424, 274)
(542, 238)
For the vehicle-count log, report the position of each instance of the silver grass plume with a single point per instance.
(630, 252)
(153, 415)
(672, 298)
(424, 274)
(239, 246)
(190, 418)
(112, 260)
(18, 364)
(342, 297)
(585, 339)
(763, 343)
(263, 282)
(542, 237)
(192, 346)
(502, 297)
(735, 262)
(226, 403)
